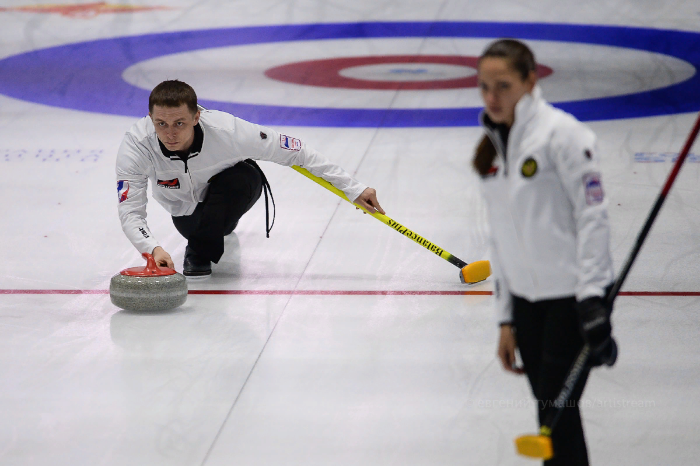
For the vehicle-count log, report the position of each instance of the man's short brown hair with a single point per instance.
(173, 93)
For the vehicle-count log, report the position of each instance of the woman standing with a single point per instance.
(550, 236)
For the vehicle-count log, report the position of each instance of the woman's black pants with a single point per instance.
(548, 338)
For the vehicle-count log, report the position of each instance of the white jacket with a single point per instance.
(548, 215)
(227, 141)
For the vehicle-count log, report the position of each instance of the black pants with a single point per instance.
(231, 194)
(549, 340)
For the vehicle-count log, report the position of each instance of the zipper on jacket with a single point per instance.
(500, 150)
(191, 183)
(188, 173)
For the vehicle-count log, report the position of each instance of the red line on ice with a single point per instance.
(345, 292)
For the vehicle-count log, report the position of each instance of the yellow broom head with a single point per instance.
(535, 446)
(475, 272)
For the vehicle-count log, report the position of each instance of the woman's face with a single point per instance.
(501, 88)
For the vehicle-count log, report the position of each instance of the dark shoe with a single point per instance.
(195, 266)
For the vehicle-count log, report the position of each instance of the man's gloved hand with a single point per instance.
(594, 321)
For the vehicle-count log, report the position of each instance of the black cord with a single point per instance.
(266, 190)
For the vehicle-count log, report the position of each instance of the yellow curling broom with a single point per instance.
(540, 446)
(468, 273)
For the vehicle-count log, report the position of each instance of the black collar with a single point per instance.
(500, 129)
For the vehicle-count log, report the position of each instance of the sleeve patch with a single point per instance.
(593, 187)
(290, 143)
(123, 190)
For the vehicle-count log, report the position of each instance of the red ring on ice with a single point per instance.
(326, 72)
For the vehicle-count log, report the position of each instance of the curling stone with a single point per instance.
(150, 288)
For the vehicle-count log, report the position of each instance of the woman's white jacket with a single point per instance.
(548, 213)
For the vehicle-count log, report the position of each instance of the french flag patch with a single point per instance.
(593, 187)
(290, 143)
(123, 190)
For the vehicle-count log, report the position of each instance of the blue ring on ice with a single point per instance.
(87, 76)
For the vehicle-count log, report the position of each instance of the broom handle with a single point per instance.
(654, 211)
(430, 246)
(580, 362)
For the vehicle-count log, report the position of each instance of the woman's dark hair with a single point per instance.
(518, 55)
(173, 94)
(521, 59)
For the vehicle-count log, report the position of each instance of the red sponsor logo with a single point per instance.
(170, 184)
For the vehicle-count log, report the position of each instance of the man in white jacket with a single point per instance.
(202, 170)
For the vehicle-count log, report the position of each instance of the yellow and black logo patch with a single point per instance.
(529, 167)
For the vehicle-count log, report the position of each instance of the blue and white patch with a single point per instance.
(123, 190)
(593, 187)
(290, 143)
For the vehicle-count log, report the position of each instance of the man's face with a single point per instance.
(174, 126)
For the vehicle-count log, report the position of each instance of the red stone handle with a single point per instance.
(151, 266)
(150, 270)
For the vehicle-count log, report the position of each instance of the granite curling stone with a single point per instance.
(150, 288)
